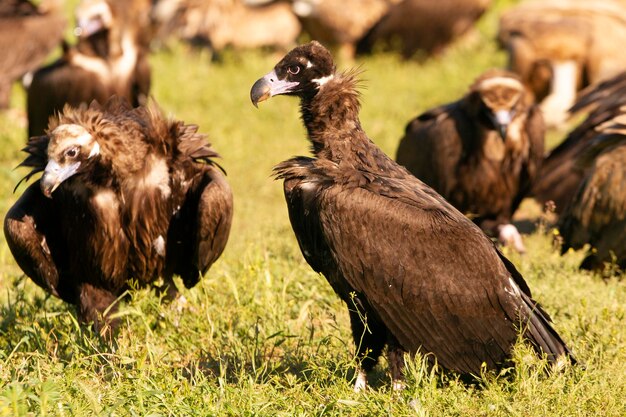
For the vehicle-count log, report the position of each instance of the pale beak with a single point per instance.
(54, 175)
(269, 86)
(501, 120)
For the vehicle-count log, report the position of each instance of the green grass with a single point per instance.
(264, 335)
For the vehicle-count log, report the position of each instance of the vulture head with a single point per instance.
(71, 150)
(93, 16)
(301, 72)
(498, 96)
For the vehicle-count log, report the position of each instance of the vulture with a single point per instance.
(415, 273)
(340, 24)
(28, 34)
(561, 173)
(426, 27)
(590, 165)
(219, 24)
(481, 153)
(596, 215)
(559, 47)
(126, 196)
(109, 59)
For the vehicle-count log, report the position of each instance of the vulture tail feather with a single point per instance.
(543, 336)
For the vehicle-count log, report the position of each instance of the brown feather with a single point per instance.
(145, 202)
(423, 276)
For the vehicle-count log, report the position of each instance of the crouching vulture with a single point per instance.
(416, 274)
(482, 152)
(110, 58)
(596, 212)
(561, 174)
(126, 194)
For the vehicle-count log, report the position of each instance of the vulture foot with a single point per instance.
(398, 385)
(361, 381)
(508, 235)
(96, 305)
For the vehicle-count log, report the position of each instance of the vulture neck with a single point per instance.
(96, 45)
(332, 121)
(331, 117)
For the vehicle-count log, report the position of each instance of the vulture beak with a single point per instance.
(269, 86)
(54, 175)
(501, 120)
(88, 27)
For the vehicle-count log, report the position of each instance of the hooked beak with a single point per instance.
(269, 86)
(87, 27)
(54, 175)
(501, 120)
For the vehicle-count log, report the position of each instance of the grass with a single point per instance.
(263, 334)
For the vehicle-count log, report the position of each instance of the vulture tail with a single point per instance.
(542, 335)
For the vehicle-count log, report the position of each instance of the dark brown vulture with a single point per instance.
(559, 47)
(481, 153)
(125, 195)
(109, 59)
(416, 274)
(597, 213)
(425, 27)
(27, 36)
(561, 174)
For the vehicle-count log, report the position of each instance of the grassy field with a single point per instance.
(264, 335)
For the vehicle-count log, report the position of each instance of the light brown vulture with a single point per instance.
(481, 153)
(219, 24)
(423, 27)
(126, 194)
(415, 273)
(560, 174)
(28, 34)
(559, 47)
(340, 24)
(110, 58)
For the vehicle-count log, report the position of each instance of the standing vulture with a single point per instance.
(27, 36)
(481, 153)
(416, 274)
(109, 59)
(561, 174)
(125, 195)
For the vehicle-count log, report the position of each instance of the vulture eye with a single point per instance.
(293, 69)
(71, 153)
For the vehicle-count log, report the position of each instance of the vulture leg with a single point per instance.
(508, 235)
(370, 338)
(92, 305)
(395, 357)
(562, 93)
(168, 290)
(26, 227)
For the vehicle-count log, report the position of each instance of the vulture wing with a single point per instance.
(431, 147)
(596, 214)
(560, 173)
(435, 280)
